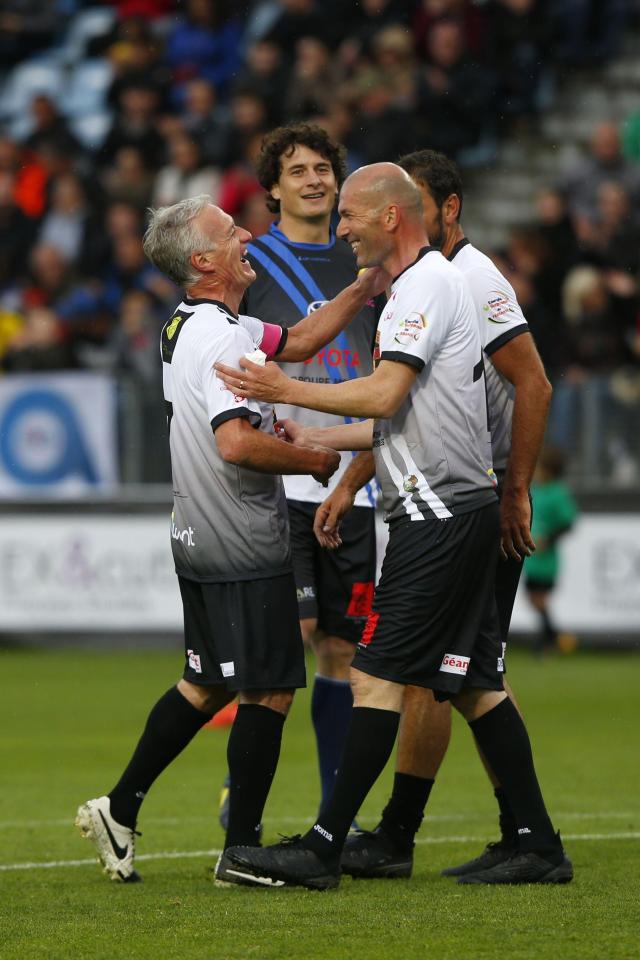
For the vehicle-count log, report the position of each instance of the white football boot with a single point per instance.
(115, 844)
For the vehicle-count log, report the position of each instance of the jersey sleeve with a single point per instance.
(268, 337)
(221, 403)
(415, 324)
(495, 301)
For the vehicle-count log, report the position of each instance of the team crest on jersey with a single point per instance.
(410, 483)
(410, 328)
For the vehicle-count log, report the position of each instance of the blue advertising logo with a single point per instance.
(41, 441)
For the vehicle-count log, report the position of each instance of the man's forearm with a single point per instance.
(347, 436)
(360, 471)
(317, 329)
(530, 409)
(266, 454)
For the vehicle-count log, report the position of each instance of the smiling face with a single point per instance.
(362, 227)
(307, 185)
(227, 258)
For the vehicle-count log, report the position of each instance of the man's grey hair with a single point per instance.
(172, 237)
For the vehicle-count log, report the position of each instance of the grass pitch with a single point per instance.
(69, 721)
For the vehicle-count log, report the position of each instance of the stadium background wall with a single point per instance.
(101, 572)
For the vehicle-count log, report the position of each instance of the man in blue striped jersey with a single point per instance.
(300, 264)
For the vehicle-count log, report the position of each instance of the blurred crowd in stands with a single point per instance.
(108, 108)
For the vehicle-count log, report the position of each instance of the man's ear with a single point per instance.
(275, 191)
(203, 262)
(391, 217)
(451, 209)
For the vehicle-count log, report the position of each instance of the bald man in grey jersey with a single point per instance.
(434, 621)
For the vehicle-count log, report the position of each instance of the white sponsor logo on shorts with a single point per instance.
(454, 663)
(194, 661)
(305, 593)
(228, 669)
(501, 659)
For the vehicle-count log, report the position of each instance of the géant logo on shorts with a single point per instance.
(454, 663)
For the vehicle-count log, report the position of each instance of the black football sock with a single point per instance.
(549, 632)
(508, 828)
(172, 723)
(331, 704)
(252, 754)
(402, 816)
(504, 740)
(372, 734)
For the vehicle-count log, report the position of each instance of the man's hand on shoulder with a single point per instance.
(373, 281)
(266, 383)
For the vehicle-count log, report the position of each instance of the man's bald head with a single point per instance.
(379, 184)
(380, 211)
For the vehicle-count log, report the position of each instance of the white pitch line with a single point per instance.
(165, 855)
(436, 818)
(184, 854)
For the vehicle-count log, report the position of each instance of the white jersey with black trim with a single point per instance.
(500, 319)
(433, 456)
(228, 523)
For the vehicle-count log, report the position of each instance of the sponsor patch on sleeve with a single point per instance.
(410, 329)
(500, 307)
(228, 668)
(454, 663)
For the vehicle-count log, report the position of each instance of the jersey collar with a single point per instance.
(423, 252)
(279, 235)
(458, 247)
(194, 302)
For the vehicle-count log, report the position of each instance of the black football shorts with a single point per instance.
(334, 586)
(244, 634)
(434, 621)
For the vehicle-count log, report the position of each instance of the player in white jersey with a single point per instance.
(229, 529)
(434, 621)
(515, 382)
(518, 395)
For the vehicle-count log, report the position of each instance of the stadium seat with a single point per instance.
(26, 81)
(91, 129)
(87, 89)
(85, 25)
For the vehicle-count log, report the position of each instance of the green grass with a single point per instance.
(68, 722)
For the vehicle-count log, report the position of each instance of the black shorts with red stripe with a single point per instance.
(334, 586)
(434, 621)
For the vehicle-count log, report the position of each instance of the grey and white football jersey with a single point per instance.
(500, 319)
(228, 523)
(433, 456)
